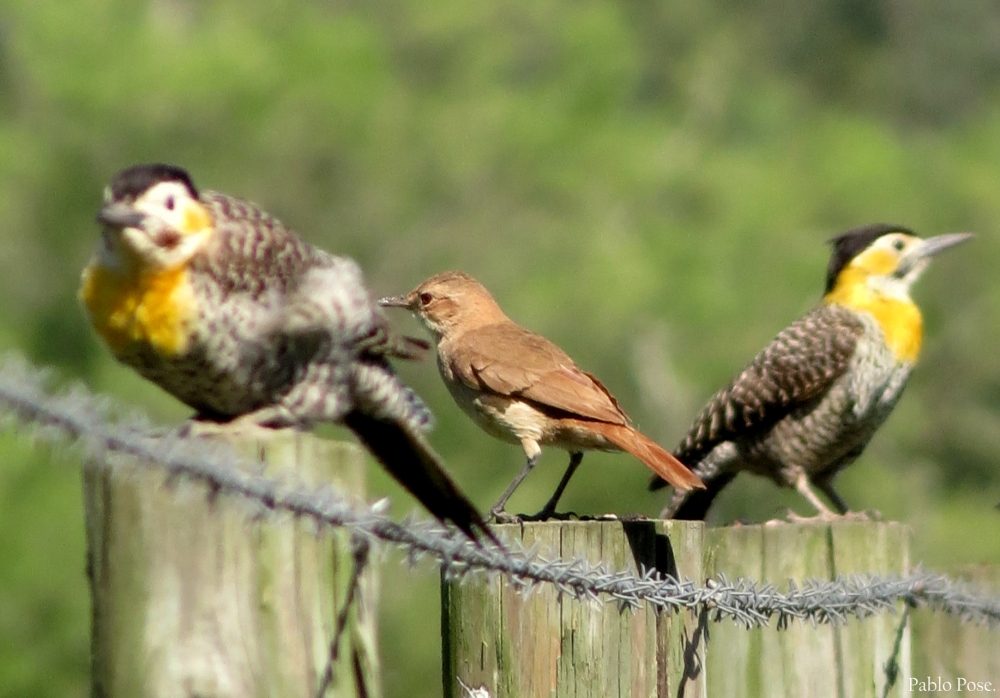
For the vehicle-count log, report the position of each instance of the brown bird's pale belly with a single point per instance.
(516, 421)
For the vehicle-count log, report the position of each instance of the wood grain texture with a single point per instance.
(945, 649)
(865, 646)
(733, 657)
(191, 597)
(549, 645)
(802, 660)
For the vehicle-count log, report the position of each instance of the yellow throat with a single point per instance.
(899, 318)
(139, 306)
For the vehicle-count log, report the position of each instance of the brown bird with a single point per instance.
(522, 388)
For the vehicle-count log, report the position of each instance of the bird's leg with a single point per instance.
(826, 487)
(823, 512)
(533, 451)
(550, 507)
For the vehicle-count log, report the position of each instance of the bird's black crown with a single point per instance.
(133, 181)
(849, 245)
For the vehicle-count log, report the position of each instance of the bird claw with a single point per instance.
(256, 424)
(502, 517)
(820, 517)
(627, 518)
(197, 428)
(546, 513)
(830, 517)
(863, 516)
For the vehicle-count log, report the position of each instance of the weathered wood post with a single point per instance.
(846, 661)
(547, 645)
(192, 598)
(550, 645)
(952, 657)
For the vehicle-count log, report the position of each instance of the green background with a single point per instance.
(649, 184)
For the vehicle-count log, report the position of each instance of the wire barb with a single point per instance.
(85, 420)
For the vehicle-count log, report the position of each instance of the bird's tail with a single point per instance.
(407, 457)
(693, 506)
(378, 392)
(656, 458)
(657, 483)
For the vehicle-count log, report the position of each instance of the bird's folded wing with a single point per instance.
(311, 290)
(511, 361)
(798, 366)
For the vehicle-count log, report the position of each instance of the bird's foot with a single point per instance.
(863, 516)
(550, 515)
(259, 423)
(624, 517)
(502, 517)
(832, 517)
(546, 512)
(819, 517)
(198, 428)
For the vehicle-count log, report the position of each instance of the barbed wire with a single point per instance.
(78, 417)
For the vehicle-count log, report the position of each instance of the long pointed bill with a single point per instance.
(120, 215)
(940, 243)
(395, 302)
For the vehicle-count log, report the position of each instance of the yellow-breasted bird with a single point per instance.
(222, 306)
(810, 402)
(522, 388)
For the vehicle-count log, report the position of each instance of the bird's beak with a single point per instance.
(119, 215)
(396, 302)
(939, 243)
(918, 255)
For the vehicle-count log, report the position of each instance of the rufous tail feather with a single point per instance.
(656, 458)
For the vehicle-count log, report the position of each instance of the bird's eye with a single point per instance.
(898, 244)
(170, 203)
(425, 298)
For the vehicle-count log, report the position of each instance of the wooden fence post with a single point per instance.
(545, 644)
(952, 657)
(846, 661)
(193, 598)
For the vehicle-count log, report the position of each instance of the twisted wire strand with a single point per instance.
(113, 441)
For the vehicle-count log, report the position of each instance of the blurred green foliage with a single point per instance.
(649, 184)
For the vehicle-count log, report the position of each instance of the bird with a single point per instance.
(521, 388)
(219, 304)
(807, 405)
